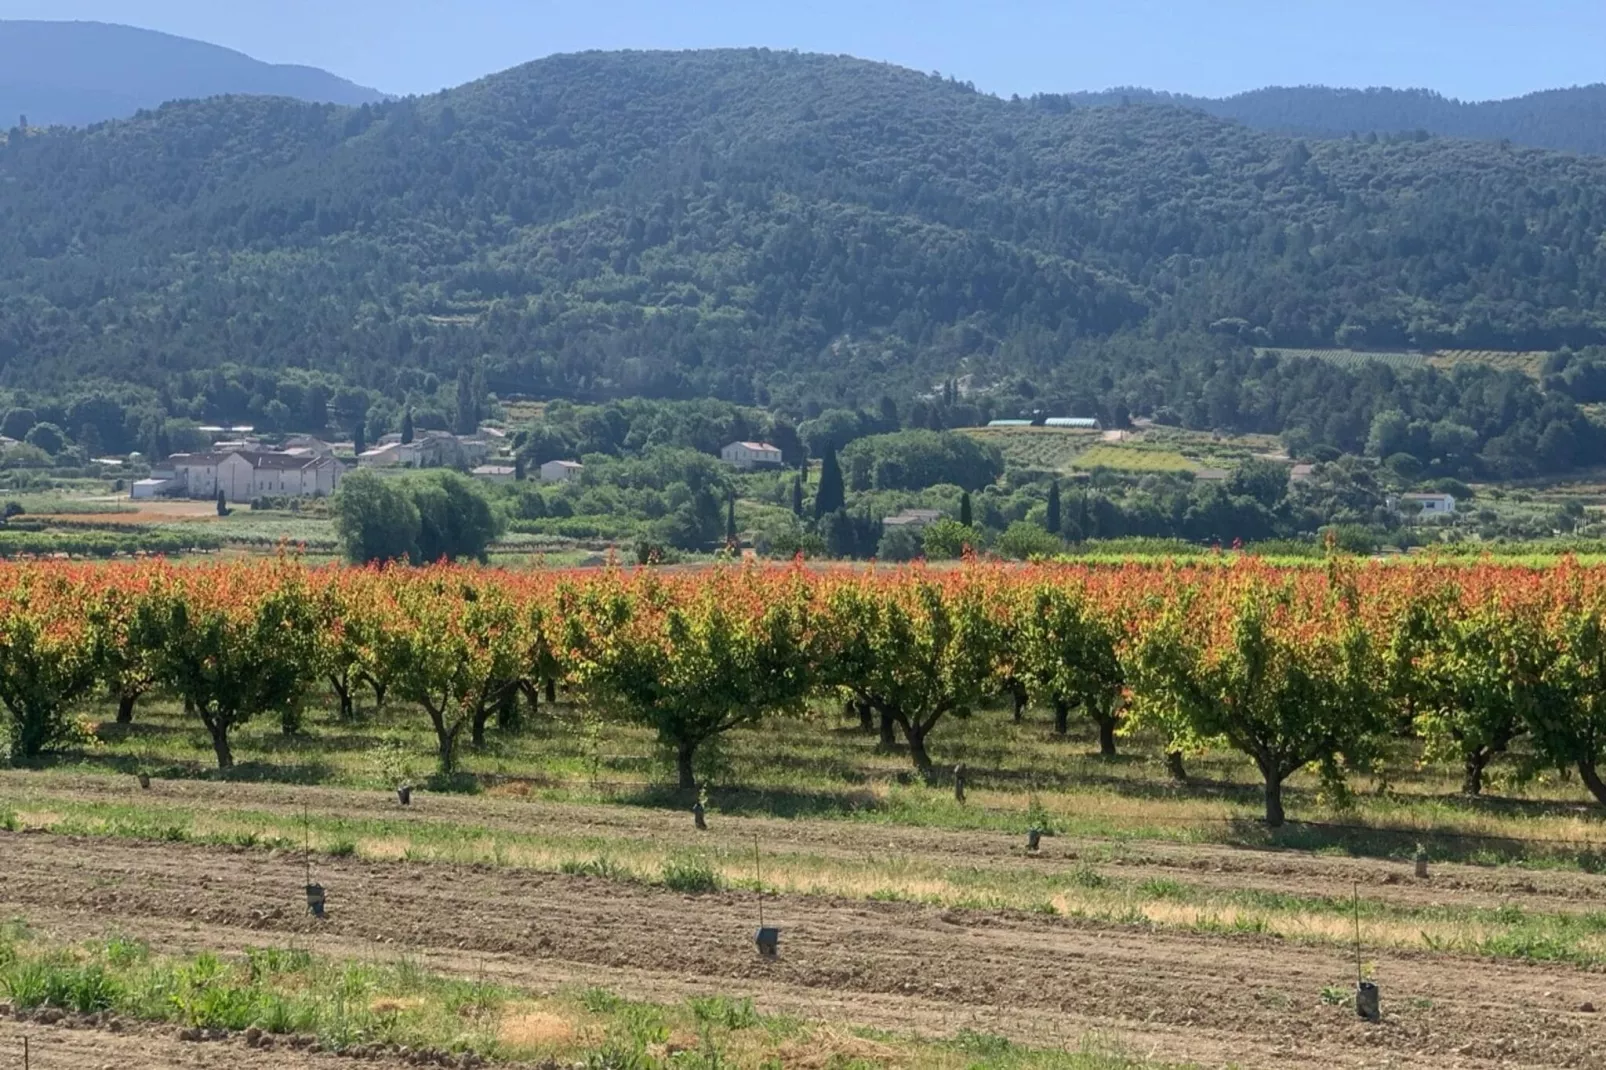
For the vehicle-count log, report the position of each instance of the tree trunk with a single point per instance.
(219, 728)
(1590, 775)
(379, 691)
(446, 740)
(1062, 717)
(509, 716)
(889, 738)
(1274, 802)
(866, 716)
(125, 706)
(1017, 694)
(1472, 778)
(341, 686)
(685, 751)
(1174, 766)
(482, 714)
(915, 733)
(551, 691)
(1107, 725)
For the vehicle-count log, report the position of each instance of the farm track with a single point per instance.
(1210, 999)
(1204, 866)
(57, 1048)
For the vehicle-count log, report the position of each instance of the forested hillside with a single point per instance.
(789, 230)
(76, 73)
(1568, 120)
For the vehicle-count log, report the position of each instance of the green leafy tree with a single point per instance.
(917, 652)
(722, 654)
(233, 649)
(376, 519)
(946, 539)
(454, 657)
(1052, 521)
(1560, 679)
(1287, 675)
(49, 656)
(407, 426)
(1024, 541)
(1066, 648)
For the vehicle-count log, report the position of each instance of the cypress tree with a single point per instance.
(964, 509)
(359, 440)
(407, 426)
(831, 495)
(1053, 520)
(797, 496)
(730, 521)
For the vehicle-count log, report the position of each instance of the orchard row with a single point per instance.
(1330, 668)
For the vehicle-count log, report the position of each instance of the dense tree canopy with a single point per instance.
(790, 231)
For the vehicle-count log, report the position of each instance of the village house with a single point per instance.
(750, 455)
(495, 473)
(912, 518)
(242, 476)
(1429, 505)
(561, 471)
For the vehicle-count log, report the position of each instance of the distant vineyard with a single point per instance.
(1528, 363)
(1351, 358)
(1132, 459)
(1051, 448)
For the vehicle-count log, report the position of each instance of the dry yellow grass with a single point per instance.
(537, 1030)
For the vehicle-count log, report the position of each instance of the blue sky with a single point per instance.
(1474, 49)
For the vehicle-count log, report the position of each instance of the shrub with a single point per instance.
(1025, 540)
(692, 876)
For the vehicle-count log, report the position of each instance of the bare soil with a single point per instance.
(1215, 1000)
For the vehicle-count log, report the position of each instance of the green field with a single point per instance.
(1133, 459)
(1052, 449)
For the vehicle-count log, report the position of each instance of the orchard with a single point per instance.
(1333, 668)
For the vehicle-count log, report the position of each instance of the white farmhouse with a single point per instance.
(750, 454)
(1430, 505)
(561, 471)
(495, 473)
(244, 475)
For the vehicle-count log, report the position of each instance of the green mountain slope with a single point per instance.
(752, 225)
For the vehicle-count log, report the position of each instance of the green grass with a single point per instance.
(375, 1008)
(1133, 459)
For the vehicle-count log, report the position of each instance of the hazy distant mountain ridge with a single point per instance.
(77, 73)
(1568, 120)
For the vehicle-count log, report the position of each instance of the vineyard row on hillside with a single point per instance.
(1331, 668)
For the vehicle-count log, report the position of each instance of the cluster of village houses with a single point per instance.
(244, 469)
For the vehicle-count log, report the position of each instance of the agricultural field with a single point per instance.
(1350, 358)
(546, 899)
(1052, 449)
(1132, 459)
(1528, 363)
